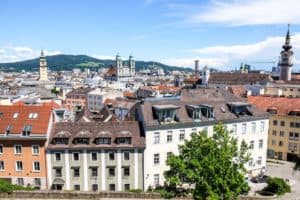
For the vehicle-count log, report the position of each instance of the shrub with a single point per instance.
(135, 190)
(8, 187)
(277, 186)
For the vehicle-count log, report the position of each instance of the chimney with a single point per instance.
(197, 67)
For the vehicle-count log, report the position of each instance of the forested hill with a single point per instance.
(68, 62)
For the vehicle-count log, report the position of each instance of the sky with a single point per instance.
(221, 34)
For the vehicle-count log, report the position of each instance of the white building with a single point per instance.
(168, 124)
(43, 68)
(96, 98)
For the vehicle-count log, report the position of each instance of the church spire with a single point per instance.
(287, 37)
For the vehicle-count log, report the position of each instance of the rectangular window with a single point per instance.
(250, 163)
(259, 160)
(262, 126)
(1, 148)
(111, 171)
(76, 172)
(37, 182)
(244, 128)
(75, 156)
(251, 144)
(35, 149)
(36, 166)
(253, 127)
(169, 136)
(77, 187)
(292, 124)
(181, 135)
(260, 144)
(18, 149)
(1, 165)
(20, 181)
(57, 156)
(282, 123)
(58, 172)
(275, 122)
(126, 155)
(273, 142)
(156, 158)
(234, 128)
(126, 171)
(95, 187)
(94, 156)
(94, 171)
(281, 133)
(126, 187)
(156, 180)
(280, 143)
(274, 133)
(19, 166)
(156, 138)
(111, 155)
(112, 187)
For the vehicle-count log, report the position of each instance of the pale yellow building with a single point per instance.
(43, 68)
(284, 127)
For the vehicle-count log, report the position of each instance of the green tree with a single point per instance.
(277, 186)
(213, 166)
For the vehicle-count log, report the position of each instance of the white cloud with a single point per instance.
(189, 62)
(18, 53)
(250, 12)
(104, 57)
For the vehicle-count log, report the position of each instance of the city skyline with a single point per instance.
(173, 32)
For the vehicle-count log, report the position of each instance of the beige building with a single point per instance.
(284, 127)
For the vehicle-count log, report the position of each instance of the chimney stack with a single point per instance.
(197, 67)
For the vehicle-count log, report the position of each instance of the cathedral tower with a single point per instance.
(43, 68)
(131, 65)
(286, 58)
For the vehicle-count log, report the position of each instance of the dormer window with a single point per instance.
(15, 116)
(32, 115)
(64, 141)
(295, 112)
(26, 130)
(165, 113)
(123, 140)
(103, 140)
(194, 112)
(240, 108)
(83, 137)
(207, 111)
(272, 111)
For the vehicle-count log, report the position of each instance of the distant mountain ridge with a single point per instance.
(68, 62)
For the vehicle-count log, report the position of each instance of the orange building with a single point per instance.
(24, 130)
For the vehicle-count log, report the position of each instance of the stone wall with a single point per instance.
(37, 195)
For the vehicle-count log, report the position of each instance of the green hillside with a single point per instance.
(68, 62)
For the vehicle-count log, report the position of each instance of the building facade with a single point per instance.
(283, 140)
(168, 124)
(78, 97)
(24, 132)
(95, 157)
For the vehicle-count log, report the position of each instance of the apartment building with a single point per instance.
(23, 135)
(168, 123)
(78, 97)
(283, 142)
(94, 156)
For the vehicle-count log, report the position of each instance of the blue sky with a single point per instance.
(220, 34)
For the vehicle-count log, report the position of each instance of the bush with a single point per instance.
(9, 188)
(277, 186)
(135, 190)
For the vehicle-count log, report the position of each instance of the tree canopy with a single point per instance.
(212, 166)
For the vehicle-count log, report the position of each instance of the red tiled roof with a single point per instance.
(282, 104)
(39, 124)
(238, 90)
(111, 71)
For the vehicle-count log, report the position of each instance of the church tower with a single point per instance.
(286, 58)
(43, 68)
(131, 64)
(119, 66)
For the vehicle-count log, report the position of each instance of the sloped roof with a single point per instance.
(238, 78)
(39, 124)
(283, 105)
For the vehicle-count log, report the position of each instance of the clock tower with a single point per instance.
(286, 58)
(43, 67)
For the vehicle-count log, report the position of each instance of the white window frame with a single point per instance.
(154, 159)
(19, 170)
(181, 132)
(33, 166)
(244, 128)
(253, 127)
(234, 128)
(92, 156)
(156, 138)
(15, 146)
(156, 180)
(35, 154)
(262, 126)
(2, 161)
(124, 155)
(170, 133)
(78, 156)
(260, 144)
(59, 156)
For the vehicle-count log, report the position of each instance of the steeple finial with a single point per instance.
(42, 53)
(288, 38)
